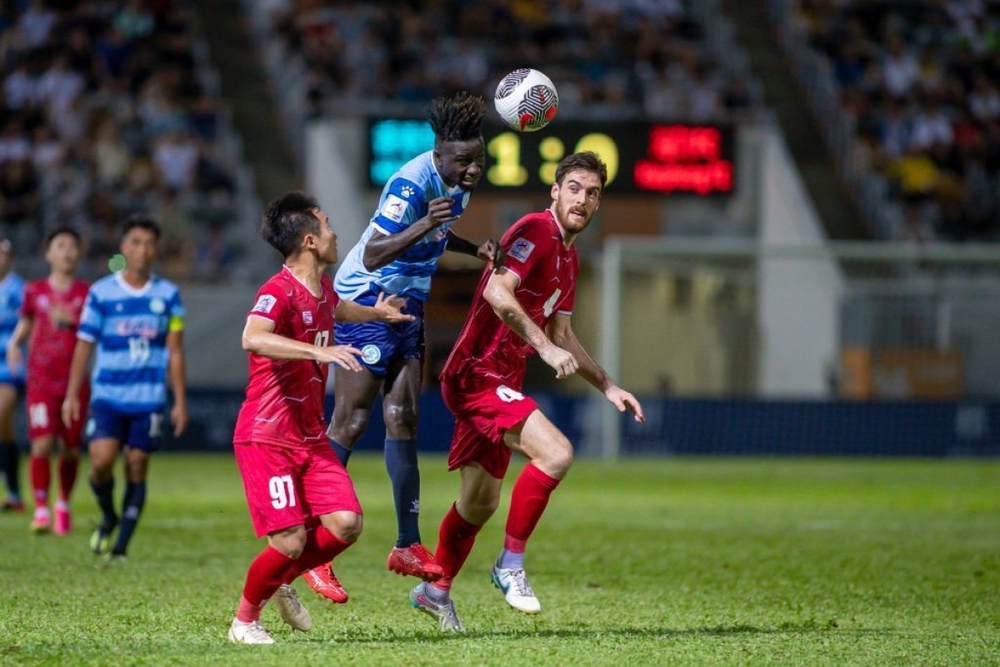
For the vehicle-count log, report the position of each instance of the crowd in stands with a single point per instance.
(921, 81)
(613, 58)
(103, 113)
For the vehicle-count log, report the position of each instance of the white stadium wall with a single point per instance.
(798, 299)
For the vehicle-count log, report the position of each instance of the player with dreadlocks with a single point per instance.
(397, 254)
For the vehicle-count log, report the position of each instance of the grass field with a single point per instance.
(645, 562)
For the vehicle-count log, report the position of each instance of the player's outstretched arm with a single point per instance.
(491, 251)
(387, 309)
(561, 332)
(383, 249)
(14, 352)
(178, 381)
(499, 293)
(77, 370)
(259, 338)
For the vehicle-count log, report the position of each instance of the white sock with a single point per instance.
(436, 594)
(509, 560)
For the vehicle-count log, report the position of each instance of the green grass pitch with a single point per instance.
(642, 562)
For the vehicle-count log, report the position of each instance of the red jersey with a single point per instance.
(56, 315)
(285, 398)
(548, 269)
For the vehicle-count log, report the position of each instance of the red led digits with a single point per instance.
(683, 158)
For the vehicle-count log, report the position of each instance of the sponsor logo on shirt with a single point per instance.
(394, 207)
(264, 304)
(521, 250)
(140, 328)
(307, 316)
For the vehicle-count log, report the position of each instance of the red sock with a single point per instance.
(67, 476)
(455, 540)
(265, 576)
(321, 547)
(41, 479)
(527, 502)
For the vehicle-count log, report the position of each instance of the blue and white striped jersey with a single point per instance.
(129, 328)
(11, 298)
(404, 200)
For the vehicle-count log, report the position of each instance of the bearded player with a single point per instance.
(517, 312)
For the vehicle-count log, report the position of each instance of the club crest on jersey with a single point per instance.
(521, 250)
(157, 306)
(370, 354)
(393, 208)
(307, 316)
(265, 302)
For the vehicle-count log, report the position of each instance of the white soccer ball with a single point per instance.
(526, 100)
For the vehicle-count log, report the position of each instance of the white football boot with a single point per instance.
(444, 612)
(513, 583)
(248, 633)
(286, 599)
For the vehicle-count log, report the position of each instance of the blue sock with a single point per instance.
(104, 492)
(135, 498)
(401, 464)
(10, 456)
(343, 453)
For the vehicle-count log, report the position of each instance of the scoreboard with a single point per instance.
(642, 157)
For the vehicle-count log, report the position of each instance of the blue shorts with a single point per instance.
(16, 381)
(381, 343)
(142, 431)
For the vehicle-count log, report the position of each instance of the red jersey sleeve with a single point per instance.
(29, 302)
(527, 246)
(271, 304)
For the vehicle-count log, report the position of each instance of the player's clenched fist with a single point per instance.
(563, 362)
(492, 252)
(439, 210)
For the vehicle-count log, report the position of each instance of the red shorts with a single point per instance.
(289, 486)
(484, 411)
(45, 416)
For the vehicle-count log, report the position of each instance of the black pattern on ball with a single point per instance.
(511, 81)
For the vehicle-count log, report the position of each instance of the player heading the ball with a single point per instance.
(398, 253)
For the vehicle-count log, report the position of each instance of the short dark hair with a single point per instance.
(582, 161)
(457, 118)
(139, 221)
(59, 231)
(287, 220)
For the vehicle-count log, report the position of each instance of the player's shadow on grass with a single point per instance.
(793, 628)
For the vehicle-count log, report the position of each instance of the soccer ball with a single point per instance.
(526, 100)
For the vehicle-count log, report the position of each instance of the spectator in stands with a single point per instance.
(608, 55)
(104, 110)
